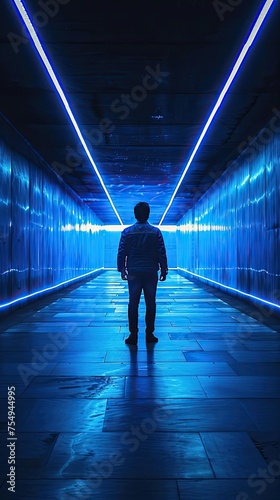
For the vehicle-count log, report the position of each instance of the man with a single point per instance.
(141, 254)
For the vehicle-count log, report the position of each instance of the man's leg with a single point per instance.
(135, 289)
(150, 288)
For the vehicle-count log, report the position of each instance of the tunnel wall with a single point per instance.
(47, 235)
(232, 234)
(111, 244)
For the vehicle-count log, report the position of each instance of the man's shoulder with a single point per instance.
(140, 228)
(154, 229)
(128, 229)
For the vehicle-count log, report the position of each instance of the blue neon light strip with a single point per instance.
(116, 228)
(49, 288)
(42, 54)
(229, 288)
(222, 95)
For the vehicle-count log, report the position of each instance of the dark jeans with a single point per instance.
(146, 281)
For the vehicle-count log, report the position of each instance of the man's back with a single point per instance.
(144, 248)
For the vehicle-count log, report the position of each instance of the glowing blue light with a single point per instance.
(257, 174)
(42, 54)
(114, 269)
(245, 180)
(169, 228)
(5, 202)
(115, 228)
(49, 288)
(222, 95)
(230, 288)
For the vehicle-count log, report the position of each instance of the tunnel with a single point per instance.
(105, 105)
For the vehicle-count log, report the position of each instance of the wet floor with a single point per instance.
(194, 416)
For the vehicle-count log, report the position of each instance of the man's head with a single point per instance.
(142, 211)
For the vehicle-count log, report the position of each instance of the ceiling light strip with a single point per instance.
(228, 83)
(42, 54)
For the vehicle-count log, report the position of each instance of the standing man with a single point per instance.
(141, 254)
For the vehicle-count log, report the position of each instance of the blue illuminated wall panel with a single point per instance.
(232, 234)
(171, 246)
(47, 235)
(36, 248)
(20, 219)
(5, 215)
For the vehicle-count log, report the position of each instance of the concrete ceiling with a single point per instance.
(168, 62)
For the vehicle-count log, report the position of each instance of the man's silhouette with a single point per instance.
(141, 254)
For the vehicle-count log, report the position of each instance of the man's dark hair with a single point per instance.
(142, 211)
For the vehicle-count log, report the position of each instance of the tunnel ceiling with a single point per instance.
(171, 60)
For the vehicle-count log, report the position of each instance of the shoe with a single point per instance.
(150, 338)
(132, 339)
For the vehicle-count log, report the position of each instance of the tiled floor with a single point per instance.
(195, 416)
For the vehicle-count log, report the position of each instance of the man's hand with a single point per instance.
(163, 275)
(124, 274)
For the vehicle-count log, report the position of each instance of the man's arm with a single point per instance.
(162, 257)
(121, 259)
